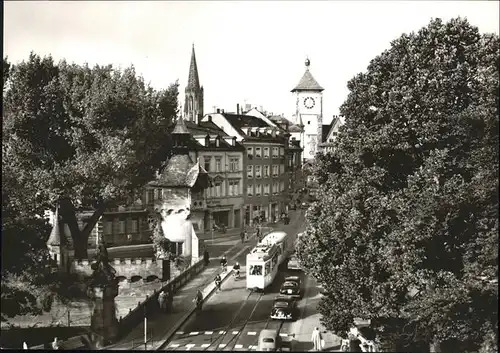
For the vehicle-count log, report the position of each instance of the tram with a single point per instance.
(263, 261)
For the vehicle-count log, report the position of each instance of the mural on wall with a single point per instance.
(311, 141)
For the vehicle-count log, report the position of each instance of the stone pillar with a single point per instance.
(103, 320)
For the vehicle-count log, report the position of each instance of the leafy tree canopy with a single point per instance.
(406, 230)
(81, 137)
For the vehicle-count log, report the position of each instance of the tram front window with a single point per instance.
(256, 270)
(268, 268)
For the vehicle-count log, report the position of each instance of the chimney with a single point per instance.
(218, 110)
(217, 141)
(222, 111)
(238, 109)
(207, 140)
(234, 141)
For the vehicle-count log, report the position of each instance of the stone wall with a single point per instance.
(127, 267)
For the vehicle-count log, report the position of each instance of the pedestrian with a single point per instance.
(246, 236)
(206, 257)
(25, 345)
(316, 339)
(162, 300)
(242, 235)
(55, 344)
(168, 300)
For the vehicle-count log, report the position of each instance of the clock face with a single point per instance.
(309, 102)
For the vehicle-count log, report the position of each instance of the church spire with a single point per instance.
(193, 105)
(193, 79)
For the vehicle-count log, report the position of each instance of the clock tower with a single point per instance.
(309, 112)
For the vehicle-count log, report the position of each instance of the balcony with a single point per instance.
(249, 176)
(250, 156)
(257, 156)
(258, 176)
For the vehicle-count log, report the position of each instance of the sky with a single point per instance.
(247, 51)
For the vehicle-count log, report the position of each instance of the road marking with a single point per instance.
(238, 346)
(251, 333)
(208, 332)
(179, 333)
(235, 332)
(194, 333)
(222, 345)
(245, 248)
(190, 345)
(175, 345)
(283, 334)
(222, 332)
(205, 345)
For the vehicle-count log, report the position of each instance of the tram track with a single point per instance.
(228, 327)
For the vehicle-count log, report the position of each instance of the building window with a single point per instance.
(250, 171)
(266, 189)
(151, 195)
(218, 164)
(275, 170)
(282, 169)
(249, 190)
(266, 152)
(207, 163)
(266, 171)
(275, 188)
(250, 152)
(218, 188)
(258, 189)
(234, 164)
(133, 226)
(282, 152)
(290, 159)
(121, 227)
(258, 152)
(234, 187)
(257, 171)
(108, 228)
(282, 186)
(275, 152)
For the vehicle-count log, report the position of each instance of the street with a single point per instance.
(232, 319)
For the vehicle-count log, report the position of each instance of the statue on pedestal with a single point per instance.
(103, 288)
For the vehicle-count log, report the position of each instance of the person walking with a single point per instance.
(206, 257)
(25, 345)
(162, 300)
(242, 235)
(316, 339)
(55, 344)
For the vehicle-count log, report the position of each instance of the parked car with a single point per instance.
(269, 340)
(291, 289)
(295, 279)
(293, 263)
(284, 308)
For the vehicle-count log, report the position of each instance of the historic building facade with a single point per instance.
(309, 112)
(194, 94)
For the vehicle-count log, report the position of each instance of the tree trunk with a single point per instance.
(80, 236)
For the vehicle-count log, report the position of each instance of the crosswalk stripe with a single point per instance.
(190, 345)
(179, 333)
(194, 333)
(251, 333)
(205, 345)
(283, 334)
(222, 345)
(235, 332)
(239, 346)
(175, 345)
(222, 332)
(208, 332)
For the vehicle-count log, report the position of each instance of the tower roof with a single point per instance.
(180, 127)
(193, 79)
(56, 237)
(307, 82)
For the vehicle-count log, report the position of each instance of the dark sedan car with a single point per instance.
(284, 308)
(291, 288)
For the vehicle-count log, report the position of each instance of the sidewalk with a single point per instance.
(162, 326)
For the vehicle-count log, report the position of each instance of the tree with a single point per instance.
(406, 231)
(83, 137)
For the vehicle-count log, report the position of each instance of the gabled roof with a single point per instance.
(205, 127)
(295, 128)
(308, 83)
(239, 122)
(193, 79)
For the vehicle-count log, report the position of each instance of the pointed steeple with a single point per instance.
(193, 79)
(308, 82)
(56, 236)
(180, 126)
